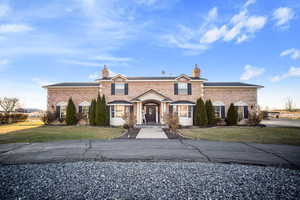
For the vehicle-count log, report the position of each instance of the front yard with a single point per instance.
(266, 135)
(36, 132)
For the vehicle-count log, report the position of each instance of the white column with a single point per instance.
(139, 113)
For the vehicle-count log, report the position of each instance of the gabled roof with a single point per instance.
(183, 76)
(230, 84)
(123, 102)
(154, 78)
(151, 91)
(73, 84)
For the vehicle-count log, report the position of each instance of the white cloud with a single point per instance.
(4, 10)
(242, 38)
(293, 72)
(251, 72)
(213, 34)
(293, 53)
(147, 2)
(249, 2)
(94, 76)
(14, 28)
(3, 64)
(213, 13)
(283, 15)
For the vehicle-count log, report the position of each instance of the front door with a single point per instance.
(151, 114)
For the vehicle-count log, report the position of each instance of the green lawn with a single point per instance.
(265, 135)
(55, 133)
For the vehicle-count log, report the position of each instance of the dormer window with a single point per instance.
(182, 88)
(120, 88)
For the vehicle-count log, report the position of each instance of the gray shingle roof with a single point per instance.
(119, 102)
(182, 102)
(229, 84)
(153, 78)
(74, 84)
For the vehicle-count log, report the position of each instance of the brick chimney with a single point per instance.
(105, 72)
(196, 71)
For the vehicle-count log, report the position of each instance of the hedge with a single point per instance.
(12, 118)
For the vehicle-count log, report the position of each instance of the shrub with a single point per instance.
(172, 120)
(211, 117)
(92, 113)
(126, 126)
(71, 113)
(130, 119)
(232, 115)
(254, 118)
(98, 114)
(48, 117)
(202, 114)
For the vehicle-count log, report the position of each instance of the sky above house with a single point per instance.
(252, 41)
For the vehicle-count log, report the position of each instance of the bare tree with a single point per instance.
(289, 104)
(8, 104)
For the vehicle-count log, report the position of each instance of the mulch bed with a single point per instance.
(172, 135)
(130, 134)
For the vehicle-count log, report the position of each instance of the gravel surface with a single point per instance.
(142, 180)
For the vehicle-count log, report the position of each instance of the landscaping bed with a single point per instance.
(130, 134)
(172, 135)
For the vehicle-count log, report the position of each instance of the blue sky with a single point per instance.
(44, 42)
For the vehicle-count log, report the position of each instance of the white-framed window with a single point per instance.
(118, 111)
(63, 112)
(218, 111)
(119, 88)
(85, 110)
(182, 88)
(183, 110)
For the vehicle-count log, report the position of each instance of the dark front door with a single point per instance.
(151, 114)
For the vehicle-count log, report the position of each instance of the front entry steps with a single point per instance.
(151, 125)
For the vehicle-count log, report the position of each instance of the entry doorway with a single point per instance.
(150, 114)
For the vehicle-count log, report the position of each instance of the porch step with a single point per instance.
(150, 126)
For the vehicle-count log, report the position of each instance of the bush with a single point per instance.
(71, 113)
(4, 118)
(98, 114)
(48, 117)
(126, 126)
(211, 117)
(172, 120)
(232, 115)
(255, 118)
(202, 114)
(92, 113)
(130, 119)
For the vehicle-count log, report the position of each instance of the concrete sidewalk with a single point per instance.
(152, 150)
(151, 133)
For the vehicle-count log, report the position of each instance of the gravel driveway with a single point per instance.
(147, 180)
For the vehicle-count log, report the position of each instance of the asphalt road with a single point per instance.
(285, 156)
(147, 180)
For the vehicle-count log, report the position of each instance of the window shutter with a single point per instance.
(57, 112)
(190, 111)
(176, 89)
(126, 88)
(171, 109)
(223, 112)
(80, 109)
(112, 111)
(112, 89)
(189, 89)
(246, 112)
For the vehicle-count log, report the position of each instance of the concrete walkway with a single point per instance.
(152, 150)
(151, 133)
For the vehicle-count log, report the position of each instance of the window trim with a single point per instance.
(185, 88)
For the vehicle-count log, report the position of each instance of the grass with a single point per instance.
(36, 132)
(267, 135)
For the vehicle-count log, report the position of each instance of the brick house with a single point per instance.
(150, 97)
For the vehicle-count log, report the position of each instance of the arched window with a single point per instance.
(84, 108)
(219, 109)
(242, 108)
(61, 109)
